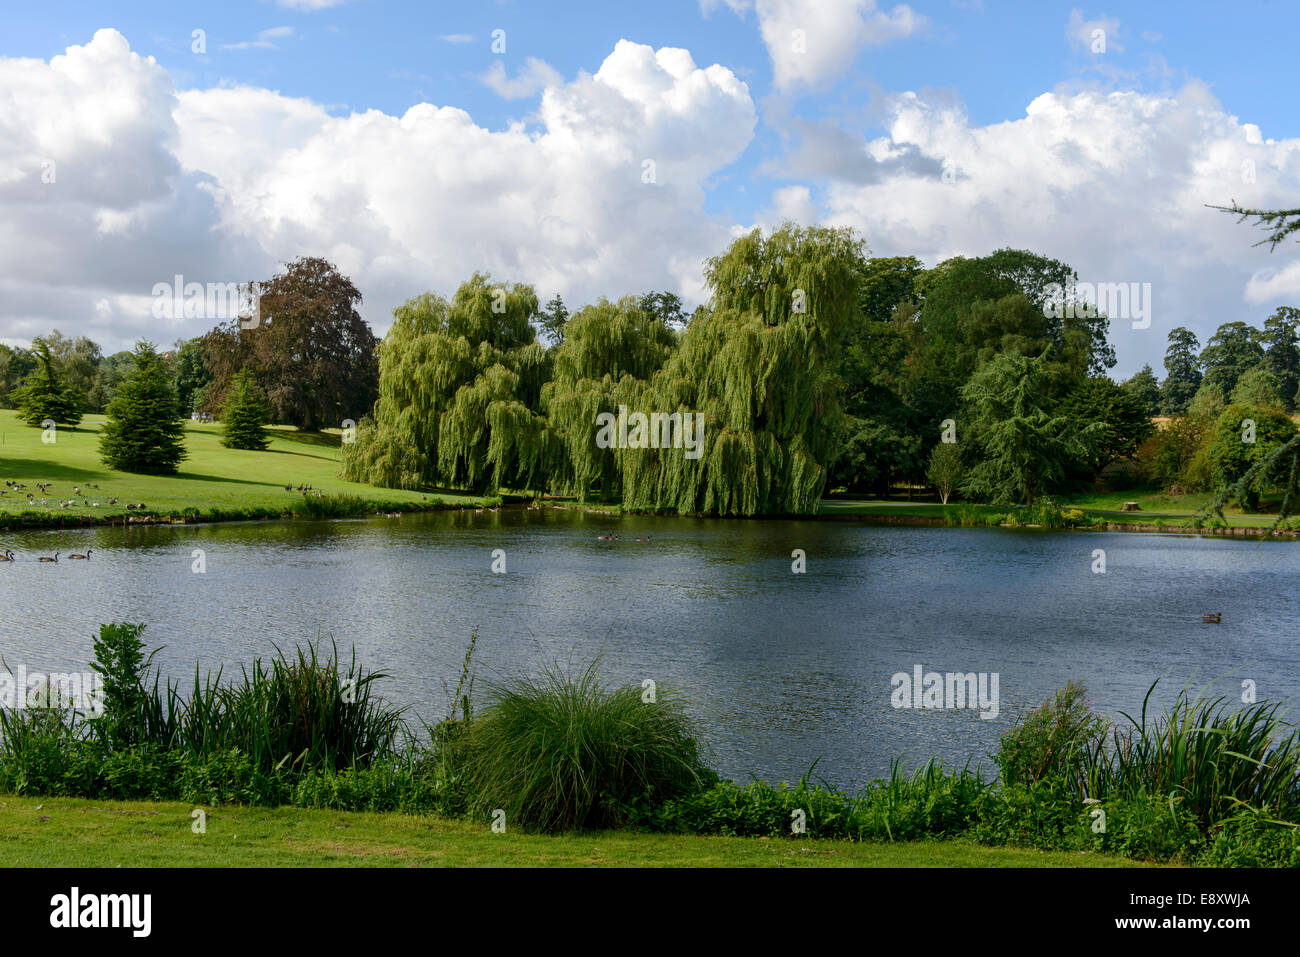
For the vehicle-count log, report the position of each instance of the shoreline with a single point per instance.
(378, 508)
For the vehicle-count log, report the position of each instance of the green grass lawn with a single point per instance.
(1153, 506)
(60, 832)
(212, 477)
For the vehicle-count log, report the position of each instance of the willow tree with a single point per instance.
(759, 368)
(459, 389)
(608, 353)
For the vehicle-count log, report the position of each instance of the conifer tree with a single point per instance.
(143, 432)
(243, 417)
(45, 395)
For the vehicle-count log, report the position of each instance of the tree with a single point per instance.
(1282, 355)
(191, 374)
(312, 351)
(1022, 449)
(1182, 371)
(666, 306)
(610, 352)
(143, 432)
(1144, 387)
(759, 369)
(45, 395)
(1232, 351)
(243, 418)
(1120, 420)
(945, 469)
(1245, 436)
(16, 364)
(1278, 223)
(1259, 387)
(459, 394)
(553, 318)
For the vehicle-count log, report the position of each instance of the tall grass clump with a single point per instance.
(1053, 741)
(563, 752)
(1218, 763)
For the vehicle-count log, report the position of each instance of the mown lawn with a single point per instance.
(1174, 510)
(212, 477)
(59, 832)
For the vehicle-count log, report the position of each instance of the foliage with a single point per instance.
(45, 395)
(311, 351)
(459, 394)
(1120, 419)
(759, 369)
(1233, 450)
(143, 432)
(945, 469)
(243, 417)
(1022, 448)
(1051, 741)
(1182, 371)
(563, 752)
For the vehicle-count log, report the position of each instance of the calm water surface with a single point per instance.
(781, 668)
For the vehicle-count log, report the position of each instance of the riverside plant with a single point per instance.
(562, 752)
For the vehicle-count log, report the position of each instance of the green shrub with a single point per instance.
(1051, 741)
(563, 752)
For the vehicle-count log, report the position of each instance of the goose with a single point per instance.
(87, 555)
(54, 559)
(8, 556)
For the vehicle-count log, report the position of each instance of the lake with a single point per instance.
(781, 668)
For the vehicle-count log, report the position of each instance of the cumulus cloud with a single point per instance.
(813, 42)
(224, 184)
(457, 38)
(1116, 184)
(533, 77)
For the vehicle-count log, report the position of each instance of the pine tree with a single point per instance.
(243, 417)
(45, 395)
(143, 433)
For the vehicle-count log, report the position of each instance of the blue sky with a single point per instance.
(922, 81)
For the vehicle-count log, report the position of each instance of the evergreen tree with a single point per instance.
(1023, 448)
(1232, 351)
(1283, 352)
(552, 319)
(243, 417)
(1144, 386)
(1182, 371)
(45, 395)
(143, 433)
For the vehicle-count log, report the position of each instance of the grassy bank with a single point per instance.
(214, 483)
(59, 832)
(1156, 512)
(1197, 783)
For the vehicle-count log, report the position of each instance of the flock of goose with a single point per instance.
(70, 502)
(9, 556)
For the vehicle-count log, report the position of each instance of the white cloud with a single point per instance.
(1115, 184)
(813, 42)
(1093, 36)
(224, 184)
(457, 38)
(533, 77)
(309, 6)
(265, 40)
(1273, 285)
